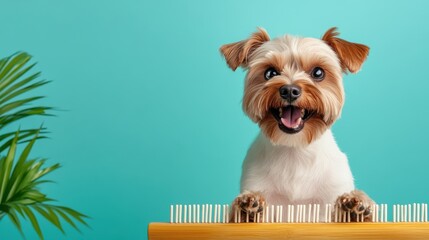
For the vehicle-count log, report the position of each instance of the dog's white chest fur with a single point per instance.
(317, 173)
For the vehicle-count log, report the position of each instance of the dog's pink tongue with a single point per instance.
(291, 117)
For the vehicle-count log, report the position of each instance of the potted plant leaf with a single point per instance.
(20, 174)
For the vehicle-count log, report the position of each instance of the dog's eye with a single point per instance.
(318, 74)
(270, 73)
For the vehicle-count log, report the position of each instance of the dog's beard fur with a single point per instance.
(294, 58)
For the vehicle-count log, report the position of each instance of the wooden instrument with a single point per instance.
(409, 221)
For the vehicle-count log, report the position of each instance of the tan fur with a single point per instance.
(352, 55)
(237, 54)
(294, 58)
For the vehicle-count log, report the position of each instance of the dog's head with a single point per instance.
(293, 87)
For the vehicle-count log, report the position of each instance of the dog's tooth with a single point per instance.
(302, 112)
(280, 112)
(299, 122)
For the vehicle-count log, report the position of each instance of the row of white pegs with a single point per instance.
(290, 214)
(379, 212)
(416, 212)
(310, 213)
(199, 213)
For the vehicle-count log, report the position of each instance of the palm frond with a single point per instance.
(6, 164)
(21, 176)
(20, 179)
(24, 136)
(15, 81)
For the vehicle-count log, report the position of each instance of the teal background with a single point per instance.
(152, 115)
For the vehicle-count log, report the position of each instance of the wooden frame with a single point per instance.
(253, 231)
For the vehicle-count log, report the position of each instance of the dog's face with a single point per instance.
(293, 87)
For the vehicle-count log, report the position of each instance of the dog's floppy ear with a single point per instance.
(351, 55)
(237, 54)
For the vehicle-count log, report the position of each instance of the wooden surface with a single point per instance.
(251, 231)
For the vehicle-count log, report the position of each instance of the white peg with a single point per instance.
(317, 212)
(304, 213)
(177, 213)
(203, 214)
(210, 213)
(185, 213)
(277, 213)
(215, 214)
(272, 213)
(198, 213)
(394, 213)
(194, 212)
(180, 213)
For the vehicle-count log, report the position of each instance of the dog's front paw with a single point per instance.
(246, 207)
(357, 204)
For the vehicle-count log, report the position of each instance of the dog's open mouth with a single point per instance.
(291, 119)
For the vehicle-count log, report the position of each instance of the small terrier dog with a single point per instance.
(294, 92)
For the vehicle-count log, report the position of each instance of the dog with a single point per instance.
(294, 92)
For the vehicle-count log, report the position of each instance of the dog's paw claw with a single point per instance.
(358, 204)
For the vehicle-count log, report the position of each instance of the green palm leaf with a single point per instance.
(20, 175)
(19, 191)
(15, 81)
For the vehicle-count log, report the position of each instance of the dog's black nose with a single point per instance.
(290, 92)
